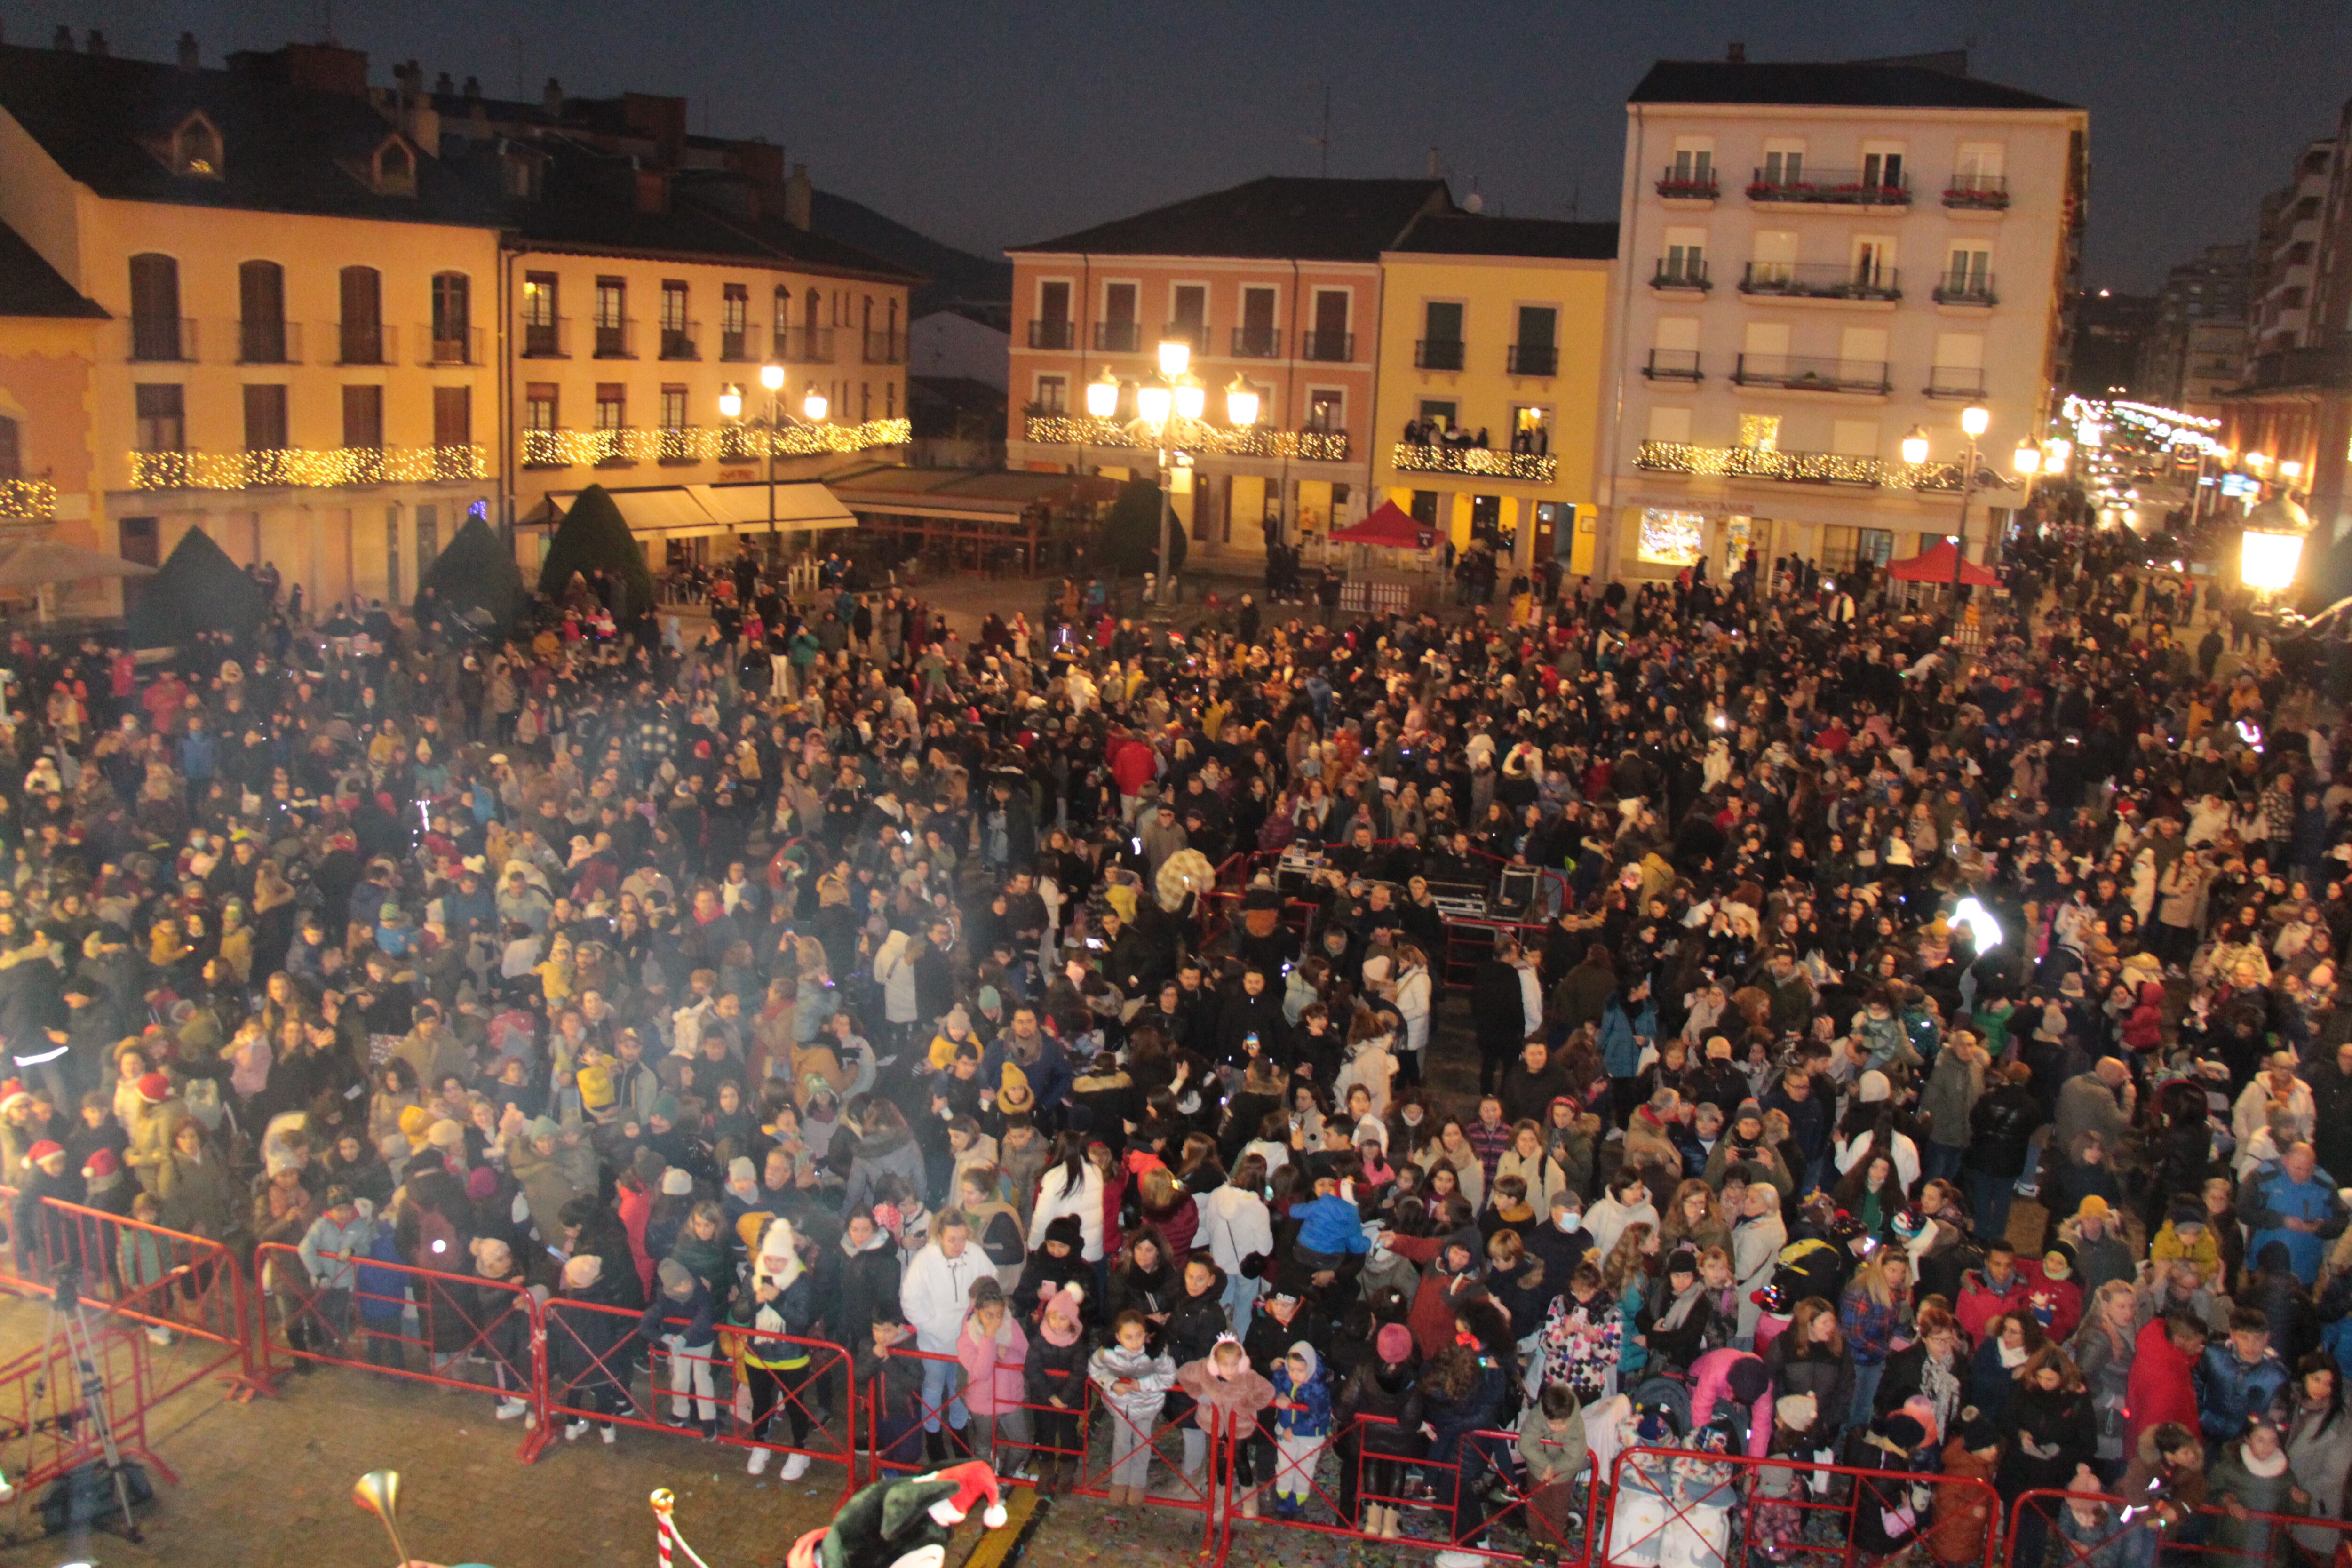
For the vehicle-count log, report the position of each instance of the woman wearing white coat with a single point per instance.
(1236, 1225)
(1370, 1063)
(1413, 997)
(1072, 1186)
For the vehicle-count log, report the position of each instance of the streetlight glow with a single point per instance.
(1914, 446)
(1192, 398)
(1975, 419)
(1151, 405)
(771, 376)
(814, 405)
(1972, 914)
(1175, 358)
(1102, 394)
(2027, 459)
(2267, 562)
(1241, 402)
(731, 403)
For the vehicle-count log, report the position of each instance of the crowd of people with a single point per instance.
(932, 998)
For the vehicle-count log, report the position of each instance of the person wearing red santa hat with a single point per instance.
(43, 1177)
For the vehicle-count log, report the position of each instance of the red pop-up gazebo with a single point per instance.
(1933, 564)
(1392, 526)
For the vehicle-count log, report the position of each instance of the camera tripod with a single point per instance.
(69, 1326)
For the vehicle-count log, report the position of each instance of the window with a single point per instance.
(1861, 356)
(1855, 437)
(1257, 337)
(1537, 352)
(612, 405)
(673, 407)
(1685, 256)
(12, 449)
(1053, 395)
(734, 319)
(1441, 412)
(1881, 169)
(1676, 539)
(452, 319)
(1764, 340)
(1774, 259)
(262, 313)
(1977, 168)
(1530, 428)
(453, 415)
(1188, 311)
(612, 317)
(865, 400)
(1760, 432)
(1118, 331)
(1873, 263)
(428, 538)
(1694, 165)
(1052, 328)
(1327, 409)
(395, 169)
(1967, 273)
(155, 324)
(890, 400)
(519, 175)
(361, 333)
(1671, 426)
(1054, 300)
(1674, 346)
(677, 332)
(264, 417)
(363, 417)
(539, 330)
(197, 149)
(1842, 548)
(1424, 507)
(163, 418)
(1784, 163)
(538, 406)
(1331, 340)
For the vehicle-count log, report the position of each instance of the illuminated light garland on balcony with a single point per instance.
(1413, 458)
(706, 443)
(27, 500)
(1793, 467)
(1194, 436)
(307, 468)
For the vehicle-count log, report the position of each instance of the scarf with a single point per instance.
(1682, 1308)
(1942, 1387)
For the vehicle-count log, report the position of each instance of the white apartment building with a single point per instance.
(1818, 258)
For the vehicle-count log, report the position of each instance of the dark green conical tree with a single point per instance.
(198, 589)
(594, 537)
(477, 573)
(1130, 535)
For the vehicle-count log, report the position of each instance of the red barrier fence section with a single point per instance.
(2107, 1531)
(456, 1330)
(45, 1395)
(1670, 1505)
(178, 1285)
(593, 1353)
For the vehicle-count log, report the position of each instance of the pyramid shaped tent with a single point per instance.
(476, 572)
(1390, 525)
(1933, 564)
(198, 589)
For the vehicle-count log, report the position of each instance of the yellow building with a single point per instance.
(49, 341)
(1491, 360)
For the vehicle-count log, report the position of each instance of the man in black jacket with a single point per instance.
(1500, 1014)
(1531, 1083)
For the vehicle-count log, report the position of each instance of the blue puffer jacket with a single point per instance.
(2271, 1196)
(2229, 1391)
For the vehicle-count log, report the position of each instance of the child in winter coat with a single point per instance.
(1135, 1385)
(896, 1381)
(994, 1351)
(1302, 1426)
(1553, 1448)
(1227, 1391)
(1051, 1378)
(678, 1319)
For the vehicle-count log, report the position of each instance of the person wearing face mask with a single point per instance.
(1561, 1242)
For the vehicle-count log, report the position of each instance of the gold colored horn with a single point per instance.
(378, 1492)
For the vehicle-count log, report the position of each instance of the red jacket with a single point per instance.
(1133, 764)
(1979, 1303)
(2162, 1386)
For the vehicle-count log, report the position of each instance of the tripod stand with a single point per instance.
(68, 1325)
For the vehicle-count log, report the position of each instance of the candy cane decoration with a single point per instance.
(666, 1532)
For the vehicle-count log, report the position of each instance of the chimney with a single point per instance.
(550, 97)
(97, 45)
(1736, 54)
(1433, 169)
(473, 89)
(189, 57)
(442, 86)
(63, 42)
(798, 196)
(653, 190)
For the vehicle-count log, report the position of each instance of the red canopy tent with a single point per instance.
(1933, 564)
(1392, 526)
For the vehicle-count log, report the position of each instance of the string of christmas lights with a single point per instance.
(307, 468)
(705, 443)
(1413, 458)
(23, 500)
(1192, 436)
(1795, 468)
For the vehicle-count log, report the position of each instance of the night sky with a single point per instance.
(989, 123)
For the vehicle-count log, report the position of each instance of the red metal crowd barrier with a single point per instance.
(593, 1353)
(180, 1286)
(2102, 1530)
(471, 1334)
(1672, 1505)
(46, 1398)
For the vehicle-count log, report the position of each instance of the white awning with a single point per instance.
(688, 511)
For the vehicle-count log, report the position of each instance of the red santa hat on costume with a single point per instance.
(974, 1481)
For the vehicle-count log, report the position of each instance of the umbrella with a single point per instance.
(40, 561)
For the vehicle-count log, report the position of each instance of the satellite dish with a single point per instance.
(1474, 203)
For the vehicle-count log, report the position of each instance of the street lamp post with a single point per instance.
(730, 408)
(1163, 406)
(1974, 420)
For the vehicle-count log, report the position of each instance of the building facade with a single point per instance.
(1493, 356)
(2197, 349)
(1819, 258)
(50, 335)
(1277, 285)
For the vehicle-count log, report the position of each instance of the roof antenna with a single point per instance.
(1322, 143)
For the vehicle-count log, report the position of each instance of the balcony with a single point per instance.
(1673, 365)
(27, 500)
(681, 340)
(1955, 381)
(1257, 343)
(1792, 467)
(885, 348)
(160, 339)
(1797, 374)
(1480, 462)
(735, 344)
(804, 345)
(1831, 187)
(1681, 277)
(1965, 288)
(1052, 334)
(449, 345)
(2323, 366)
(1687, 184)
(1977, 193)
(1437, 354)
(1820, 280)
(1532, 358)
(1330, 348)
(308, 468)
(617, 338)
(1196, 436)
(262, 341)
(551, 339)
(365, 342)
(1119, 337)
(704, 443)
